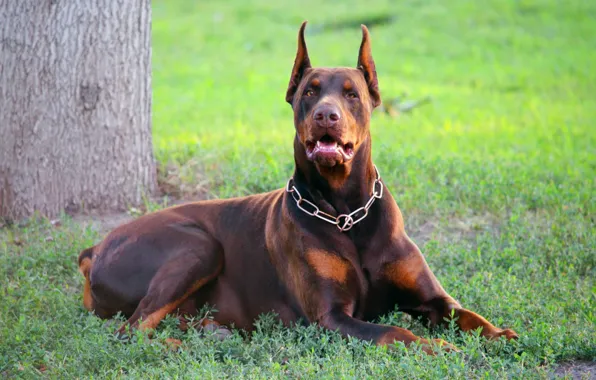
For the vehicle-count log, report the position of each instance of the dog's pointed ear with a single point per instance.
(366, 64)
(301, 63)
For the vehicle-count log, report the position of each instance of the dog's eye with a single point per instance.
(351, 95)
(309, 93)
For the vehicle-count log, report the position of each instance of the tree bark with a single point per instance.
(75, 105)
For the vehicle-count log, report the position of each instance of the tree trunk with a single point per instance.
(75, 105)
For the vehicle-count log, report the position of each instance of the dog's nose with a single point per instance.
(327, 116)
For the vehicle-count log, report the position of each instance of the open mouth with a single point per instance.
(328, 148)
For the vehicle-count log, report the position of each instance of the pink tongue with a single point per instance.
(326, 146)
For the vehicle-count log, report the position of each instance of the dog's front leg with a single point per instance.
(379, 334)
(327, 287)
(421, 293)
(444, 308)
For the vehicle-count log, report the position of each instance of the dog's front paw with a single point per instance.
(497, 333)
(507, 333)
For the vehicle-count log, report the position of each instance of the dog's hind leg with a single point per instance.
(199, 260)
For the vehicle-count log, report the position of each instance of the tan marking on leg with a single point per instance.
(398, 334)
(468, 320)
(154, 318)
(328, 266)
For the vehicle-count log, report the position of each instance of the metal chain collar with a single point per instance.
(344, 221)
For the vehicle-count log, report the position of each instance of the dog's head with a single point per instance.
(332, 106)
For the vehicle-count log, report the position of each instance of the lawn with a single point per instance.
(496, 179)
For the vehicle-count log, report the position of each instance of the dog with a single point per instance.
(328, 248)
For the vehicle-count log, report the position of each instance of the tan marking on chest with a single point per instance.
(405, 273)
(328, 266)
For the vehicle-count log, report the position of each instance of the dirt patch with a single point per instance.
(577, 369)
(451, 228)
(184, 181)
(102, 222)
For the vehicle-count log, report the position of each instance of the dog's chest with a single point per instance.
(377, 294)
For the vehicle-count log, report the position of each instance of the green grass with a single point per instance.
(502, 164)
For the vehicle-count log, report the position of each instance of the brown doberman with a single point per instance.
(328, 248)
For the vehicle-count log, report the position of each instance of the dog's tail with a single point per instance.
(85, 260)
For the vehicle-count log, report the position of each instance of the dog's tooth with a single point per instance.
(319, 143)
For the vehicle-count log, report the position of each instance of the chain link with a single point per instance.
(344, 221)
